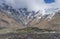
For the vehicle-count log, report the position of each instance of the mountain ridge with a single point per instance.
(13, 19)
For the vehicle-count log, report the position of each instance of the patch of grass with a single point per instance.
(33, 29)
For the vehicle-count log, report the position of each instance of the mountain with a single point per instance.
(53, 24)
(12, 19)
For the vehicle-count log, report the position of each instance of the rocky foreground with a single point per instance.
(30, 36)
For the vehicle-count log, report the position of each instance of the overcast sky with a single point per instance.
(32, 4)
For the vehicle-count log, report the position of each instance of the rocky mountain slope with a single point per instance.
(47, 23)
(12, 19)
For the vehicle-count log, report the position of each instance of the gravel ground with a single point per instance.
(30, 36)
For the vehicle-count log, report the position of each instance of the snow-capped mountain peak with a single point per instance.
(25, 16)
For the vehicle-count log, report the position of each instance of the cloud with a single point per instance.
(33, 4)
